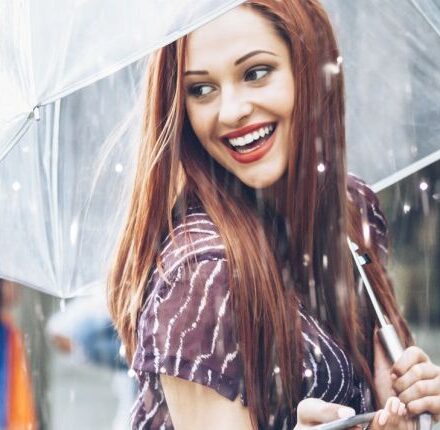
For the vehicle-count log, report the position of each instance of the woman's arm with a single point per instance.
(195, 407)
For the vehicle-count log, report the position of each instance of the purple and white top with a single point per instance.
(185, 328)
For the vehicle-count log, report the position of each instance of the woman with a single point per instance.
(233, 288)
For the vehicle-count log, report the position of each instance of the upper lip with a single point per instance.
(245, 130)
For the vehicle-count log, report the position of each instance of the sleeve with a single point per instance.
(373, 220)
(186, 328)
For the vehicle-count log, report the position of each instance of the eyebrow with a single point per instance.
(236, 63)
(251, 54)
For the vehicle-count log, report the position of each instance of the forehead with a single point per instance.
(233, 34)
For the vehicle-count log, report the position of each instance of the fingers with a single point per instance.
(316, 411)
(419, 384)
(417, 372)
(421, 389)
(425, 404)
(411, 356)
(390, 415)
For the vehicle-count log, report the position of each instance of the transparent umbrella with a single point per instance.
(70, 79)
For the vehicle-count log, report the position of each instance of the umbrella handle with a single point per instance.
(391, 342)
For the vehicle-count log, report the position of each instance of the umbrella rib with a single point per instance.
(425, 17)
(405, 172)
(140, 54)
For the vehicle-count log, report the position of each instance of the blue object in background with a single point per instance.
(3, 375)
(99, 341)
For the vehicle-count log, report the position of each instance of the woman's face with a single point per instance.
(240, 94)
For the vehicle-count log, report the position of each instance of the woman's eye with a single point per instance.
(257, 73)
(200, 90)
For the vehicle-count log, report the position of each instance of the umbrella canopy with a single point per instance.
(71, 73)
(70, 79)
(391, 56)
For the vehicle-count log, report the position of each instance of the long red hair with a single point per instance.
(319, 216)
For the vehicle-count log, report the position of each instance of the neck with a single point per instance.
(274, 196)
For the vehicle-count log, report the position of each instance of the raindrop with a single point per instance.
(308, 373)
(276, 370)
(306, 259)
(271, 420)
(325, 261)
(317, 351)
(331, 69)
(321, 167)
(72, 395)
(16, 186)
(423, 186)
(25, 148)
(73, 232)
(436, 196)
(39, 311)
(406, 208)
(366, 231)
(122, 351)
(119, 168)
(63, 305)
(318, 145)
(131, 373)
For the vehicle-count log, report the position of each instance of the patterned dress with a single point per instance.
(185, 328)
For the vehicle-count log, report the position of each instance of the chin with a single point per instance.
(259, 183)
(266, 178)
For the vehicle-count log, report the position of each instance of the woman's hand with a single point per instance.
(312, 412)
(416, 380)
(391, 417)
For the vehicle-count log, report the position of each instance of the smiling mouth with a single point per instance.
(250, 141)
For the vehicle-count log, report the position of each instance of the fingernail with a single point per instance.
(395, 406)
(383, 418)
(346, 412)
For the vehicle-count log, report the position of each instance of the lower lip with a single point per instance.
(254, 155)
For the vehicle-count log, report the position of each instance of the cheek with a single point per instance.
(281, 95)
(201, 122)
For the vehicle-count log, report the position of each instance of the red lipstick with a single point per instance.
(245, 130)
(253, 155)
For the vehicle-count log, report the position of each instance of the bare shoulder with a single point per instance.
(196, 407)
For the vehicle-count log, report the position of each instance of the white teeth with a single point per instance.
(251, 137)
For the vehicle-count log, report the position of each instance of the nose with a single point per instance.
(234, 107)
